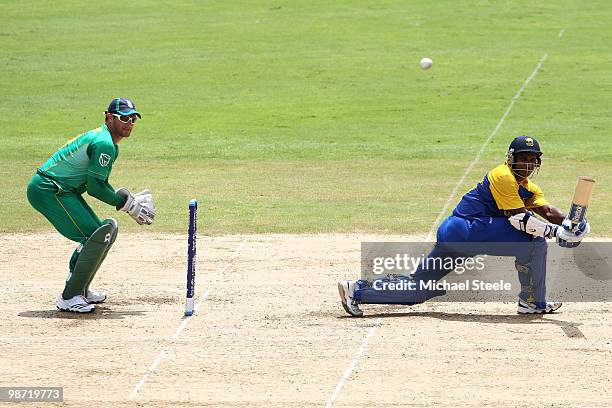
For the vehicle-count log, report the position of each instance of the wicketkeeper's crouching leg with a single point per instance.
(84, 264)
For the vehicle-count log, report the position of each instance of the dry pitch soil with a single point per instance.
(270, 331)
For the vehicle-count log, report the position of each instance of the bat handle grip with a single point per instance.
(577, 214)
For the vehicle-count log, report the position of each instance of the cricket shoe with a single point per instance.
(346, 289)
(95, 296)
(77, 304)
(531, 308)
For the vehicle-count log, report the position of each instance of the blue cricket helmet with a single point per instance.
(525, 144)
(123, 106)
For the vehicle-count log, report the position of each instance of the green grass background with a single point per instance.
(307, 116)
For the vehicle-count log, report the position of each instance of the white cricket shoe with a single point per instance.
(77, 304)
(95, 296)
(531, 308)
(346, 289)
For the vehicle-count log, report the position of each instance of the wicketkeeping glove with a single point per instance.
(139, 206)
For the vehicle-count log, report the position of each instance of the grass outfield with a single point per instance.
(308, 116)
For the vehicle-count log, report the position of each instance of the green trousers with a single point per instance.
(71, 216)
(67, 211)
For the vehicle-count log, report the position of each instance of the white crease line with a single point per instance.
(377, 323)
(162, 354)
(204, 295)
(483, 147)
(186, 319)
(561, 33)
(349, 370)
(150, 371)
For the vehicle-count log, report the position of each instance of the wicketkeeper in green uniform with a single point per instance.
(82, 165)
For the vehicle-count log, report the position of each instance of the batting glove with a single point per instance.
(575, 232)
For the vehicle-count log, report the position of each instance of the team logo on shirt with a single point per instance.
(104, 159)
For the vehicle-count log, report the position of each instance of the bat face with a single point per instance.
(582, 199)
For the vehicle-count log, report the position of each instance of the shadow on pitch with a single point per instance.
(569, 328)
(100, 312)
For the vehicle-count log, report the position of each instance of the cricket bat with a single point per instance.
(582, 199)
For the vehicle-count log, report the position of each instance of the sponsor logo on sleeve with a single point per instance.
(104, 159)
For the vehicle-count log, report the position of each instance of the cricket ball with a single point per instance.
(426, 63)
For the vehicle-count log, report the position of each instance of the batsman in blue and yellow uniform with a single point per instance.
(82, 165)
(500, 209)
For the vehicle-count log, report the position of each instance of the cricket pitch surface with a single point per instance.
(269, 331)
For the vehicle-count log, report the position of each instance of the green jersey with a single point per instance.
(89, 154)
